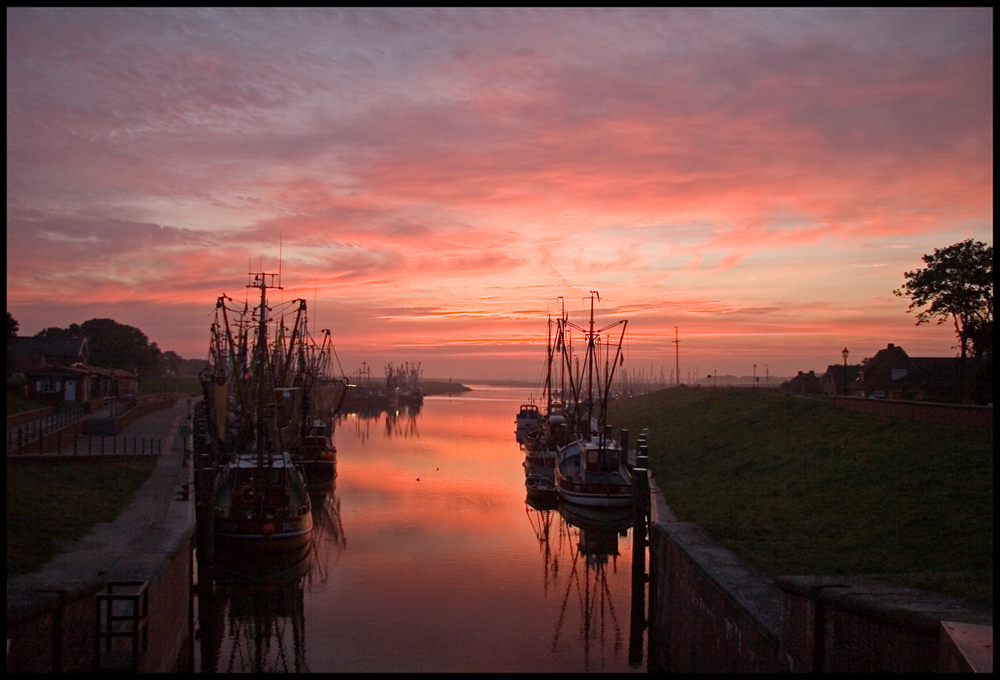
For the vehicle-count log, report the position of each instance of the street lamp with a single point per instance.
(844, 354)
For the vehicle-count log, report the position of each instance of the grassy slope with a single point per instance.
(798, 486)
(48, 504)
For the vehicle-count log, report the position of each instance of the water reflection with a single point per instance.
(399, 422)
(251, 606)
(443, 573)
(251, 617)
(587, 539)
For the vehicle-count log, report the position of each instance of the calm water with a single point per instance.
(454, 572)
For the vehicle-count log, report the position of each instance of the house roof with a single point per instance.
(49, 347)
(110, 372)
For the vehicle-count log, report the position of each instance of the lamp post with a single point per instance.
(844, 354)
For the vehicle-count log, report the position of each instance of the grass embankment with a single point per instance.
(49, 504)
(434, 387)
(798, 486)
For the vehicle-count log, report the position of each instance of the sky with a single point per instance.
(436, 182)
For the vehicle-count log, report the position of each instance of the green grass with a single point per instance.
(49, 504)
(798, 486)
(19, 404)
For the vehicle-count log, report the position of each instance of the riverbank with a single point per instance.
(798, 486)
(438, 387)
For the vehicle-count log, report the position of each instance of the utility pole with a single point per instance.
(677, 352)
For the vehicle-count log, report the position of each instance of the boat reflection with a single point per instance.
(251, 616)
(250, 611)
(587, 539)
(399, 422)
(329, 541)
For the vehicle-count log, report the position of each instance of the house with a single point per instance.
(113, 382)
(803, 383)
(35, 353)
(56, 370)
(892, 374)
(60, 383)
(834, 383)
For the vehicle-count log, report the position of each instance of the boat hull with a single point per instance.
(594, 498)
(597, 489)
(263, 535)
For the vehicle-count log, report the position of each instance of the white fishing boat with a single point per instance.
(594, 469)
(594, 472)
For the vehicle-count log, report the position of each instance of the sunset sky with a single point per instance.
(435, 179)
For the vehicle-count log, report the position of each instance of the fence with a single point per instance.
(62, 444)
(23, 434)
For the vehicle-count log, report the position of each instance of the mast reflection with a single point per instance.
(251, 616)
(399, 422)
(587, 540)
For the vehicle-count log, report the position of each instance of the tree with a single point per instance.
(957, 283)
(112, 344)
(12, 327)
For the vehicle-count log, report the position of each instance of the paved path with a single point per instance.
(136, 544)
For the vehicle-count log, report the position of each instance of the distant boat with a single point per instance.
(528, 418)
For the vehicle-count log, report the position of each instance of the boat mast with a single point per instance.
(261, 370)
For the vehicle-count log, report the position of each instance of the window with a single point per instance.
(48, 386)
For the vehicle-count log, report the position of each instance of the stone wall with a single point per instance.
(709, 611)
(51, 630)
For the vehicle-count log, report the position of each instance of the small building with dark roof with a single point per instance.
(803, 383)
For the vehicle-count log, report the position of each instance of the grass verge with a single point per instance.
(798, 486)
(51, 504)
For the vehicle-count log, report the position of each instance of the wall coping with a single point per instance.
(903, 606)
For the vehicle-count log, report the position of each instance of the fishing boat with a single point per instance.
(593, 470)
(553, 430)
(265, 508)
(540, 487)
(268, 397)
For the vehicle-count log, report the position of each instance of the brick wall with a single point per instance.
(851, 624)
(709, 610)
(948, 414)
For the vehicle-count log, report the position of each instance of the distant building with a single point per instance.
(803, 383)
(56, 370)
(838, 379)
(31, 354)
(892, 374)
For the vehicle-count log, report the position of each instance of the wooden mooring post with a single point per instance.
(640, 527)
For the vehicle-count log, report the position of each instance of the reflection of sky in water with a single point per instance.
(449, 573)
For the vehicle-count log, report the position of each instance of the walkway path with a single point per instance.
(135, 545)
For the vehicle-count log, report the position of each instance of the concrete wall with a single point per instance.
(52, 630)
(851, 624)
(709, 611)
